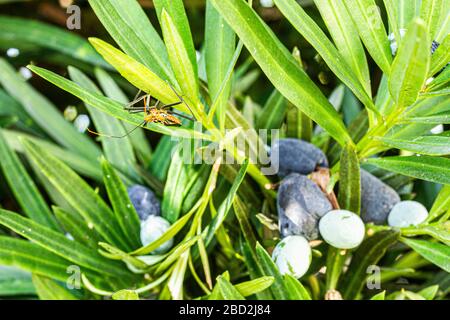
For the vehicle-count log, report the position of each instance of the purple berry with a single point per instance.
(377, 199)
(300, 205)
(296, 156)
(144, 201)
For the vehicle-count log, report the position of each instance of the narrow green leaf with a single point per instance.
(392, 12)
(136, 73)
(32, 257)
(74, 224)
(195, 188)
(439, 231)
(427, 168)
(379, 296)
(425, 107)
(183, 67)
(295, 288)
(280, 67)
(123, 209)
(116, 254)
(138, 139)
(176, 180)
(429, 293)
(48, 289)
(118, 151)
(175, 10)
(112, 107)
(227, 80)
(219, 50)
(130, 27)
(346, 39)
(269, 269)
(228, 291)
(273, 112)
(225, 205)
(21, 32)
(444, 29)
(440, 118)
(78, 163)
(252, 287)
(125, 295)
(335, 264)
(428, 145)
(437, 253)
(411, 64)
(368, 22)
(242, 214)
(369, 253)
(60, 245)
(430, 13)
(170, 233)
(159, 166)
(253, 266)
(441, 203)
(407, 10)
(176, 253)
(335, 61)
(24, 188)
(15, 282)
(349, 180)
(45, 113)
(434, 93)
(176, 280)
(10, 107)
(78, 194)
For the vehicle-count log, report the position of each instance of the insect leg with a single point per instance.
(147, 103)
(132, 103)
(144, 123)
(180, 115)
(137, 94)
(171, 105)
(181, 99)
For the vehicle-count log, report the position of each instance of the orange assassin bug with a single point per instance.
(154, 113)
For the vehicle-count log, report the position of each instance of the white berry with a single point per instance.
(342, 229)
(152, 229)
(292, 255)
(407, 213)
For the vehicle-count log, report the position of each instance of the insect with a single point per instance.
(153, 113)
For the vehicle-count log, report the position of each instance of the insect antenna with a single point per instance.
(116, 137)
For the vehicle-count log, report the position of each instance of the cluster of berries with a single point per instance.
(305, 211)
(148, 208)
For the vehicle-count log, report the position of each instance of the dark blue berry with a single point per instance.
(144, 201)
(300, 205)
(377, 199)
(434, 46)
(296, 156)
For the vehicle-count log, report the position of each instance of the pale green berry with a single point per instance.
(342, 229)
(152, 229)
(292, 255)
(407, 213)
